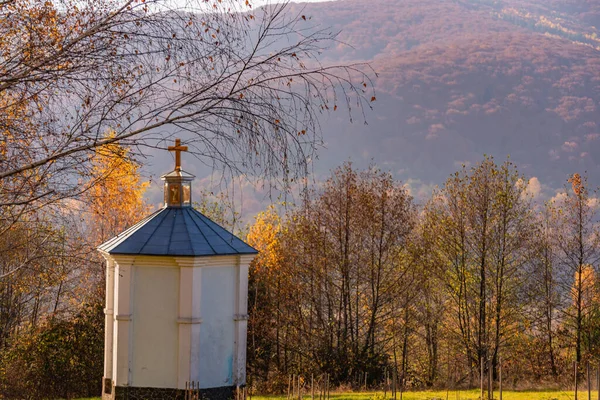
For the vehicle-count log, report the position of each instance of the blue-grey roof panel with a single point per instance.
(177, 232)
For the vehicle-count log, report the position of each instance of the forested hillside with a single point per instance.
(458, 79)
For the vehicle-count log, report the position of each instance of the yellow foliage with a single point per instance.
(264, 236)
(589, 289)
(115, 195)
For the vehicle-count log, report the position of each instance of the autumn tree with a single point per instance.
(30, 254)
(112, 200)
(431, 298)
(578, 243)
(446, 219)
(483, 221)
(51, 284)
(269, 288)
(511, 253)
(114, 193)
(345, 252)
(544, 290)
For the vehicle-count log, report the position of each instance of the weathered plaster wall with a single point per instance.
(155, 329)
(123, 273)
(176, 320)
(217, 329)
(109, 319)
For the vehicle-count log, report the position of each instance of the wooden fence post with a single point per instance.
(394, 383)
(481, 377)
(385, 383)
(589, 384)
(500, 378)
(321, 379)
(490, 380)
(575, 375)
(598, 380)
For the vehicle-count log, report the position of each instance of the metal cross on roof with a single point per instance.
(178, 148)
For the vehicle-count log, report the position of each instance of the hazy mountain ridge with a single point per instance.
(457, 80)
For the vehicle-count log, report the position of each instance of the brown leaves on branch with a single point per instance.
(576, 184)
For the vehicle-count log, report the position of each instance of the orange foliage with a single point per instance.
(264, 236)
(575, 181)
(589, 290)
(115, 195)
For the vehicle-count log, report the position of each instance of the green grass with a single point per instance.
(451, 395)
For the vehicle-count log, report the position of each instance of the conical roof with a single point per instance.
(177, 231)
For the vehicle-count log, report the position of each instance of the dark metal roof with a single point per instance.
(174, 231)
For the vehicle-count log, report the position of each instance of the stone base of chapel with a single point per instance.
(146, 393)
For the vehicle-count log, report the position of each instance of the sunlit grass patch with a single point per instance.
(444, 395)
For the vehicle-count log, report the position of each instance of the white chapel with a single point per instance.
(176, 302)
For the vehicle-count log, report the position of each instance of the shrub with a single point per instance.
(57, 359)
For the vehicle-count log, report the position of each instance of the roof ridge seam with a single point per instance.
(207, 242)
(217, 233)
(121, 237)
(188, 233)
(233, 235)
(154, 231)
(171, 234)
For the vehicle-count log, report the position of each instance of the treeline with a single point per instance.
(360, 281)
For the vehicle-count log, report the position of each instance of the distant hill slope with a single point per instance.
(461, 78)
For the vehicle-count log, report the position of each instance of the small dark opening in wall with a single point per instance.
(107, 386)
